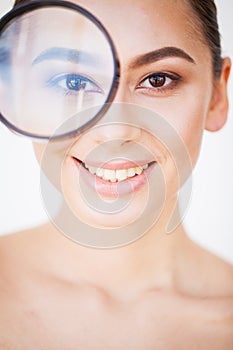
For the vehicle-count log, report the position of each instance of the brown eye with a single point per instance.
(157, 81)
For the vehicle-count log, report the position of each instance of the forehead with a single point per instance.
(137, 25)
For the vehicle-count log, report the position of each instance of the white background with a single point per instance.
(209, 220)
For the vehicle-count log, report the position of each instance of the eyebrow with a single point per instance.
(67, 55)
(160, 54)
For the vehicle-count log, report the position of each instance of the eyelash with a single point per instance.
(164, 88)
(72, 79)
(175, 79)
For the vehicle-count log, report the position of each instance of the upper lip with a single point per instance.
(116, 164)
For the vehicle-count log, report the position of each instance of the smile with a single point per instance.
(112, 179)
(116, 175)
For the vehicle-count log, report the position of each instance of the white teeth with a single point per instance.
(92, 170)
(138, 170)
(100, 172)
(116, 175)
(131, 172)
(109, 175)
(121, 175)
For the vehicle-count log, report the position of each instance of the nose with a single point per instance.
(116, 131)
(115, 123)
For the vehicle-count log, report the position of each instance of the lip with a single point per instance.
(119, 164)
(115, 189)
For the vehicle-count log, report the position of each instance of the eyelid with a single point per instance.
(59, 77)
(175, 80)
(171, 75)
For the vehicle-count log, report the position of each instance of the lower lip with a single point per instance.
(114, 189)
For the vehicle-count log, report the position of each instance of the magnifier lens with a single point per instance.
(55, 62)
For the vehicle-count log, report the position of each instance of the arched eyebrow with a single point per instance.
(160, 54)
(67, 55)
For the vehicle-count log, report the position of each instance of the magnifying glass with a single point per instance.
(57, 61)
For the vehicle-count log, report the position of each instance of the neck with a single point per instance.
(149, 262)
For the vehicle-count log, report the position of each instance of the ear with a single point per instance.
(218, 109)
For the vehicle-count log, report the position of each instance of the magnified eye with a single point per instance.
(74, 83)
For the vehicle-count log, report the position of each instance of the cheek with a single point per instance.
(191, 130)
(188, 119)
(186, 109)
(191, 133)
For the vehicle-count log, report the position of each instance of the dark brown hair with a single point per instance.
(206, 13)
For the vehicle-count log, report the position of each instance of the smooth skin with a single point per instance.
(162, 291)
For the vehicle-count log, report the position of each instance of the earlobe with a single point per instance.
(218, 110)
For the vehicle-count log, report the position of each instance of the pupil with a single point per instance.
(157, 81)
(75, 83)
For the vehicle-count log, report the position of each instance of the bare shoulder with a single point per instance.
(205, 275)
(15, 245)
(217, 272)
(19, 253)
(27, 238)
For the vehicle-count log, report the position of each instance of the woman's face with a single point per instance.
(165, 67)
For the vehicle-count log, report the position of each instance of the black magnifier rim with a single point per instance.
(39, 4)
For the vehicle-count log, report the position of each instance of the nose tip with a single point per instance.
(115, 125)
(116, 131)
